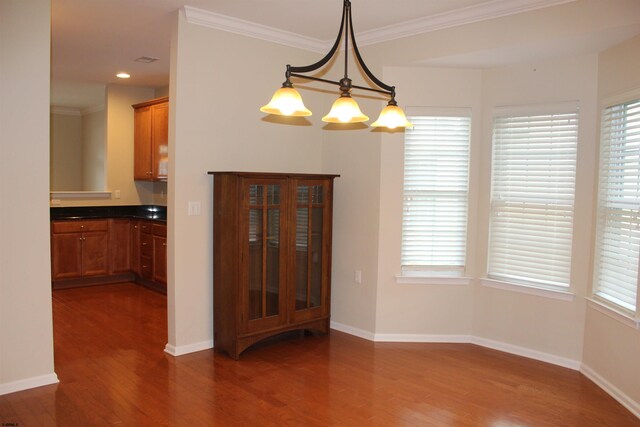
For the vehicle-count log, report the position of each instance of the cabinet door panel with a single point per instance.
(141, 137)
(66, 256)
(159, 140)
(95, 254)
(264, 281)
(119, 246)
(160, 259)
(311, 251)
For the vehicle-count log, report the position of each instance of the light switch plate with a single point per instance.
(195, 208)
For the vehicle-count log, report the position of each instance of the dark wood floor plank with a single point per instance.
(109, 356)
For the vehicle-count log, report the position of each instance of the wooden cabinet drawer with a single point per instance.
(146, 245)
(80, 226)
(146, 267)
(145, 227)
(160, 230)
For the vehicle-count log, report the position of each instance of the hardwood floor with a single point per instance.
(109, 357)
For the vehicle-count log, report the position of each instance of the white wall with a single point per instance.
(425, 310)
(66, 151)
(215, 124)
(26, 336)
(533, 322)
(611, 346)
(94, 135)
(118, 153)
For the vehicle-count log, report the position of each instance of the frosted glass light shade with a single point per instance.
(345, 110)
(286, 101)
(392, 117)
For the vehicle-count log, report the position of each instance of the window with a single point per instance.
(532, 194)
(618, 222)
(436, 182)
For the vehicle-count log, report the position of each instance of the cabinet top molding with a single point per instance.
(151, 102)
(275, 174)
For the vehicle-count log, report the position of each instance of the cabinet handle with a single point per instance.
(164, 244)
(135, 226)
(144, 244)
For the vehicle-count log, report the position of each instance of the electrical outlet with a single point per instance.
(357, 276)
(117, 194)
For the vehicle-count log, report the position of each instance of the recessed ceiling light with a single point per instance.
(123, 75)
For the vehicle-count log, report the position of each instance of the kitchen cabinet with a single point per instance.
(119, 246)
(272, 256)
(151, 136)
(79, 249)
(93, 252)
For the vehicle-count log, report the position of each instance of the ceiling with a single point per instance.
(92, 40)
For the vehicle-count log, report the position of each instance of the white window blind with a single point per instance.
(436, 181)
(532, 195)
(618, 224)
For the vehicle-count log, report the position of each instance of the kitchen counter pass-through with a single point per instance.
(109, 244)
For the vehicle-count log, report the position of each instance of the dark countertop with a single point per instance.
(157, 213)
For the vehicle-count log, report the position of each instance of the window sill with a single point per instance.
(617, 314)
(432, 280)
(529, 290)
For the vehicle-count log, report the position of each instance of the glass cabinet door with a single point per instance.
(264, 255)
(309, 247)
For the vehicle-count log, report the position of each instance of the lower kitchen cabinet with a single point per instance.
(92, 252)
(80, 248)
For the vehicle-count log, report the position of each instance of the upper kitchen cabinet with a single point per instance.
(151, 136)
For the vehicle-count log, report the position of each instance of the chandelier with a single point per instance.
(287, 101)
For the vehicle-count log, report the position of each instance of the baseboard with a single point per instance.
(25, 384)
(458, 339)
(611, 390)
(189, 348)
(527, 352)
(352, 331)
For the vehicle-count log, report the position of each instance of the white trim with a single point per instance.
(252, 29)
(461, 339)
(28, 383)
(65, 111)
(423, 338)
(454, 18)
(80, 194)
(91, 110)
(529, 290)
(620, 98)
(432, 280)
(467, 15)
(611, 390)
(189, 348)
(352, 331)
(611, 312)
(527, 352)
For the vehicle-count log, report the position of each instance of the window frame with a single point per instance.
(434, 273)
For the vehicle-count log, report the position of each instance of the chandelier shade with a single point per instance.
(392, 117)
(287, 101)
(345, 110)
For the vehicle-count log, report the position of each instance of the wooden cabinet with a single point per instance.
(151, 136)
(79, 249)
(272, 256)
(153, 255)
(119, 246)
(93, 252)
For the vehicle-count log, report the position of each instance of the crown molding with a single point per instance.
(93, 109)
(467, 15)
(251, 29)
(66, 111)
